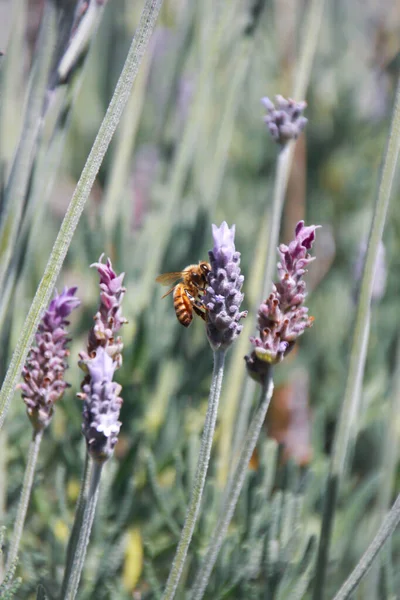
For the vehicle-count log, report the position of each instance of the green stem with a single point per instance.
(81, 194)
(233, 491)
(20, 174)
(273, 221)
(73, 576)
(200, 476)
(388, 468)
(311, 29)
(269, 234)
(346, 428)
(283, 164)
(79, 512)
(387, 528)
(25, 496)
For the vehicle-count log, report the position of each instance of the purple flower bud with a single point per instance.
(223, 295)
(44, 370)
(285, 122)
(101, 407)
(108, 319)
(282, 318)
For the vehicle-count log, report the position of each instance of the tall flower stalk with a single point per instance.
(240, 389)
(222, 301)
(285, 122)
(101, 407)
(346, 428)
(233, 490)
(43, 386)
(282, 318)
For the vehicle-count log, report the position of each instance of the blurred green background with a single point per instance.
(192, 150)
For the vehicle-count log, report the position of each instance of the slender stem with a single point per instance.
(311, 29)
(79, 512)
(272, 225)
(233, 492)
(25, 496)
(72, 583)
(388, 468)
(3, 488)
(387, 528)
(82, 191)
(269, 234)
(346, 428)
(283, 164)
(200, 476)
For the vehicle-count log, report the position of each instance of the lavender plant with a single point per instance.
(212, 158)
(43, 386)
(281, 320)
(285, 123)
(222, 301)
(101, 408)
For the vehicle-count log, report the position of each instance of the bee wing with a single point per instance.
(168, 279)
(169, 292)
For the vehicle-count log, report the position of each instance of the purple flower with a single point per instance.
(101, 407)
(282, 318)
(100, 394)
(223, 295)
(44, 370)
(108, 319)
(285, 122)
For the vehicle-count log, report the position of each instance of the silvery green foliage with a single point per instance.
(267, 546)
(223, 295)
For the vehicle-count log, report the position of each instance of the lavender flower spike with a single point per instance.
(108, 319)
(285, 122)
(101, 408)
(223, 295)
(282, 318)
(44, 370)
(100, 394)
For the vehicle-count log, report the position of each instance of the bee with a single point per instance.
(188, 292)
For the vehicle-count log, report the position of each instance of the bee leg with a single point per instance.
(197, 306)
(201, 313)
(200, 309)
